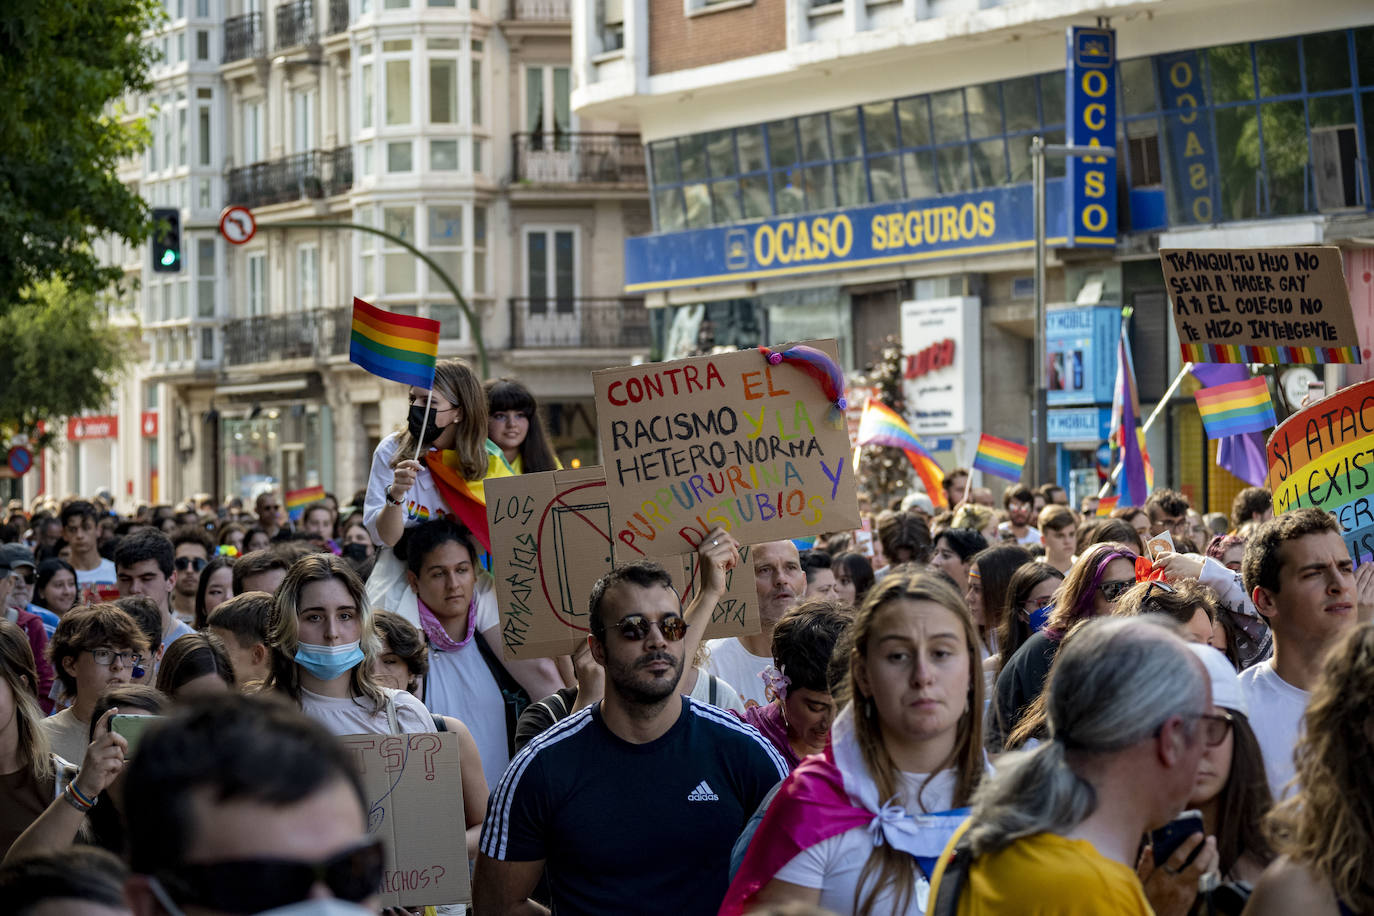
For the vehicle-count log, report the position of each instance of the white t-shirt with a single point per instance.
(726, 697)
(834, 865)
(422, 501)
(104, 574)
(460, 684)
(738, 667)
(354, 716)
(1276, 711)
(68, 735)
(1029, 539)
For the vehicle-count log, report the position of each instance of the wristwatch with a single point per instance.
(390, 501)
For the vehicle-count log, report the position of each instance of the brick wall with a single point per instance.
(680, 42)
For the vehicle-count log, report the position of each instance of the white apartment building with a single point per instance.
(447, 123)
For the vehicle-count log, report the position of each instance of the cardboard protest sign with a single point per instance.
(1323, 456)
(736, 439)
(550, 542)
(1267, 305)
(414, 797)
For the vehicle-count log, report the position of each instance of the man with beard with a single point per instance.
(1019, 502)
(635, 801)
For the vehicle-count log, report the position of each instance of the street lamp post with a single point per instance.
(1040, 453)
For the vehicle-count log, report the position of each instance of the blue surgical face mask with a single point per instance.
(329, 662)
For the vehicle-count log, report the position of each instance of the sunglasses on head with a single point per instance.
(254, 885)
(185, 563)
(635, 628)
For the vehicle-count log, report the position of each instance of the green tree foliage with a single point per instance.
(59, 356)
(64, 70)
(884, 473)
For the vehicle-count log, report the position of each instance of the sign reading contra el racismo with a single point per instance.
(727, 439)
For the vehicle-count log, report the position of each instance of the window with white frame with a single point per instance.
(398, 265)
(548, 107)
(304, 114)
(367, 254)
(308, 277)
(367, 94)
(204, 142)
(396, 60)
(479, 249)
(254, 142)
(205, 278)
(551, 269)
(257, 284)
(445, 244)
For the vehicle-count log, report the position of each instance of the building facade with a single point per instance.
(445, 123)
(815, 166)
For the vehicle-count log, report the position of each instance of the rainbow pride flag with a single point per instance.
(1000, 457)
(297, 500)
(881, 425)
(402, 348)
(1106, 504)
(1236, 407)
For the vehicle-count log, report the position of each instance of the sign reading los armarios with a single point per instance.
(1264, 305)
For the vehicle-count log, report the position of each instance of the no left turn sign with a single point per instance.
(237, 225)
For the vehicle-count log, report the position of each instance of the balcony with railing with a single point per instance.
(313, 175)
(559, 322)
(540, 10)
(263, 339)
(338, 16)
(296, 24)
(244, 37)
(575, 158)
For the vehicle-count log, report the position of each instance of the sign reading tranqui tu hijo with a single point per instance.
(1090, 97)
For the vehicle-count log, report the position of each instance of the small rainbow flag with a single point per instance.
(1106, 504)
(1000, 457)
(297, 500)
(402, 348)
(1236, 407)
(881, 425)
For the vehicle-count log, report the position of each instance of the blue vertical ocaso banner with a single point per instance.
(1090, 97)
(1189, 131)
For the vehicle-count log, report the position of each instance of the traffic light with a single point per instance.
(166, 240)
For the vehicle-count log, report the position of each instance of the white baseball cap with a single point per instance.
(1226, 690)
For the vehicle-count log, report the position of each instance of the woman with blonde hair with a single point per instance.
(431, 469)
(1325, 831)
(324, 649)
(857, 829)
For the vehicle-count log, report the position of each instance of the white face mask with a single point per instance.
(329, 906)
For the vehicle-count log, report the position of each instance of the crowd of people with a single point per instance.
(1006, 706)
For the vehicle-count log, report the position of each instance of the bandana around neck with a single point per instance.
(438, 636)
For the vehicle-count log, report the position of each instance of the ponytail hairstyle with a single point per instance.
(887, 867)
(1075, 599)
(507, 394)
(1114, 684)
(456, 383)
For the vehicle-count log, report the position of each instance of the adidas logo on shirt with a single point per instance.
(702, 792)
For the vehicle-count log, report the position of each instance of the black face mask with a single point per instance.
(416, 419)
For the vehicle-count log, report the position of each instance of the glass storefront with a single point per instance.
(278, 448)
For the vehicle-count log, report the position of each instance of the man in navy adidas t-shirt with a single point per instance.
(632, 804)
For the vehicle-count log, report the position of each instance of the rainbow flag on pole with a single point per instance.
(297, 500)
(402, 348)
(1000, 457)
(1235, 408)
(1106, 504)
(881, 425)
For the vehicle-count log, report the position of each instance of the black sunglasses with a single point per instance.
(27, 575)
(254, 885)
(635, 628)
(185, 563)
(1115, 588)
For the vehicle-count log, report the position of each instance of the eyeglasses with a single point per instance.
(1215, 727)
(1115, 588)
(254, 885)
(105, 657)
(185, 563)
(635, 628)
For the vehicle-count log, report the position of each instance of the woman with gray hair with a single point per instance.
(1058, 828)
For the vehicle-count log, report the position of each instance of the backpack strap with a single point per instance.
(711, 689)
(954, 876)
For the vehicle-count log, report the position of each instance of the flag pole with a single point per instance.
(968, 486)
(1149, 421)
(420, 442)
